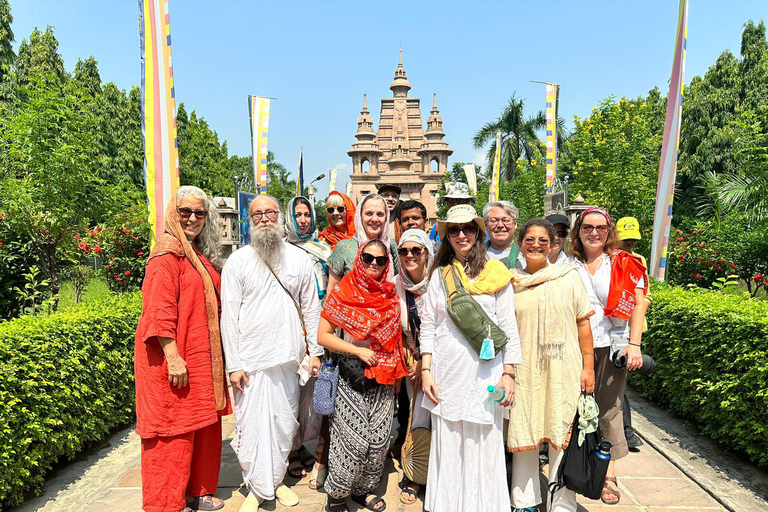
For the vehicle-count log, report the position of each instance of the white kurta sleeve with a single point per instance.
(428, 314)
(505, 314)
(310, 307)
(231, 299)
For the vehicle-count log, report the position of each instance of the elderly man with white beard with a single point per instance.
(266, 289)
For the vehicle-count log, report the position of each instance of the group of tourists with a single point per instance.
(486, 334)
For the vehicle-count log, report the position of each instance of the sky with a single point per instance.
(318, 58)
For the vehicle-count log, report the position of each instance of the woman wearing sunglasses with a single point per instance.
(552, 310)
(414, 251)
(616, 285)
(341, 214)
(365, 307)
(371, 223)
(467, 469)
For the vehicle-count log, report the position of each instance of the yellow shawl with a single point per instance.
(492, 278)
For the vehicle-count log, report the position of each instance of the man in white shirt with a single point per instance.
(266, 289)
(501, 222)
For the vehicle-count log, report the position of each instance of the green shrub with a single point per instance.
(66, 380)
(711, 353)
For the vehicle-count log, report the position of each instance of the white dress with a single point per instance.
(467, 465)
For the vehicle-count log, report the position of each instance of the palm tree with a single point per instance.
(518, 136)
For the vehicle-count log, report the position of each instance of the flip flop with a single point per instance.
(307, 459)
(295, 469)
(370, 505)
(206, 502)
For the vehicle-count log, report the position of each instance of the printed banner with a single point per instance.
(349, 189)
(300, 175)
(332, 184)
(469, 171)
(553, 94)
(258, 113)
(665, 188)
(158, 111)
(493, 192)
(244, 200)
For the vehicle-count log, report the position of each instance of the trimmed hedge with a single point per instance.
(711, 352)
(65, 381)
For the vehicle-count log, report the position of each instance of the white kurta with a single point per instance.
(466, 461)
(262, 334)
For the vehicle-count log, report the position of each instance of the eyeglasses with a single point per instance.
(468, 230)
(333, 210)
(507, 221)
(561, 234)
(186, 213)
(269, 214)
(416, 251)
(369, 258)
(542, 241)
(587, 229)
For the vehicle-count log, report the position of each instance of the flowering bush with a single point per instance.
(121, 247)
(709, 253)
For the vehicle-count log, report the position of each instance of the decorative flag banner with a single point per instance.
(300, 175)
(665, 189)
(493, 192)
(332, 185)
(258, 113)
(349, 189)
(158, 111)
(553, 95)
(469, 171)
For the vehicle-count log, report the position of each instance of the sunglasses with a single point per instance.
(186, 213)
(369, 258)
(333, 210)
(587, 229)
(543, 242)
(468, 230)
(416, 251)
(561, 234)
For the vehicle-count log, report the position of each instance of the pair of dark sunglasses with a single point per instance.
(369, 258)
(416, 251)
(186, 213)
(561, 234)
(332, 210)
(468, 230)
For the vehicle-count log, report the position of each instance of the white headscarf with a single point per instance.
(362, 237)
(310, 241)
(420, 237)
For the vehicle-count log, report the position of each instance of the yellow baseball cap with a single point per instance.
(628, 228)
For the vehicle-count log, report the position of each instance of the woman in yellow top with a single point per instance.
(552, 310)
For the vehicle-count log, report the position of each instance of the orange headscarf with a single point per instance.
(331, 235)
(174, 241)
(369, 309)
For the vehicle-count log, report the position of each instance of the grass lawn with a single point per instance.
(95, 290)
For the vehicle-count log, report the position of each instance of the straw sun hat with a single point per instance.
(460, 214)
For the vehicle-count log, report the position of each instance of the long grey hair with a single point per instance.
(208, 242)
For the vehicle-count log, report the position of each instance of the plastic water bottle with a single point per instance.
(496, 394)
(604, 451)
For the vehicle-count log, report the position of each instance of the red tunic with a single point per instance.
(174, 307)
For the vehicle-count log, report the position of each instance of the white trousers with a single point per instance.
(526, 487)
(266, 423)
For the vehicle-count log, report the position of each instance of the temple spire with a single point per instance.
(400, 85)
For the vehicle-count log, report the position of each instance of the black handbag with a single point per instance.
(581, 470)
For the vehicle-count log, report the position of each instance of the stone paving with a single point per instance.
(110, 480)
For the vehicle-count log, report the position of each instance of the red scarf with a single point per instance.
(332, 235)
(626, 272)
(369, 309)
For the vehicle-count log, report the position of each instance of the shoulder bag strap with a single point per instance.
(298, 309)
(414, 322)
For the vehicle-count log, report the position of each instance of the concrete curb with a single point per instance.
(736, 485)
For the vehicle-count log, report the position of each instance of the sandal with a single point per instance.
(307, 459)
(295, 469)
(317, 478)
(370, 504)
(608, 488)
(337, 505)
(206, 502)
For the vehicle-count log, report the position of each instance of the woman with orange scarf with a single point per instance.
(341, 219)
(366, 307)
(181, 391)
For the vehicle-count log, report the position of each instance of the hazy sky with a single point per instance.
(318, 58)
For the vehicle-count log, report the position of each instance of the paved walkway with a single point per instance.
(110, 480)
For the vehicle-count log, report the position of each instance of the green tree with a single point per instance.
(87, 75)
(7, 55)
(518, 137)
(279, 184)
(203, 161)
(39, 57)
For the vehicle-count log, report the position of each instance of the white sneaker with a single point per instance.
(286, 496)
(251, 503)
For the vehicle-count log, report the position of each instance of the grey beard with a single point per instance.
(268, 244)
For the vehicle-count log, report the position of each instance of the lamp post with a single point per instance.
(311, 189)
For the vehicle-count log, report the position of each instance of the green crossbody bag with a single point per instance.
(470, 317)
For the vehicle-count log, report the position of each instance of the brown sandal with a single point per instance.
(608, 488)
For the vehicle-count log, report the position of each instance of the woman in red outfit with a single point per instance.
(181, 391)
